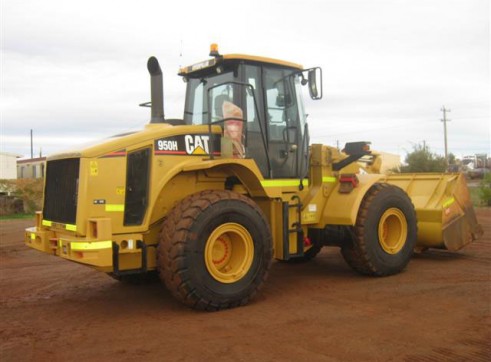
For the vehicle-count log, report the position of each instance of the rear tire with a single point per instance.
(385, 232)
(215, 250)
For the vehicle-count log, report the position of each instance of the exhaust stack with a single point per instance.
(156, 90)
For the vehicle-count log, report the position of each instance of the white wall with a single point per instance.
(8, 165)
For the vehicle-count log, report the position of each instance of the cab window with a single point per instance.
(196, 108)
(282, 111)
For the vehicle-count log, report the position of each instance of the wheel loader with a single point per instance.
(206, 202)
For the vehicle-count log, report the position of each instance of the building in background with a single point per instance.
(31, 167)
(8, 168)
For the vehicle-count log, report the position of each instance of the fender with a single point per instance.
(342, 209)
(185, 174)
(245, 170)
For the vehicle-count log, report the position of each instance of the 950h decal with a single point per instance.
(190, 144)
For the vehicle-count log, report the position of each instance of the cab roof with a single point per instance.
(230, 58)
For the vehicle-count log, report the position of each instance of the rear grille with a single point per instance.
(61, 191)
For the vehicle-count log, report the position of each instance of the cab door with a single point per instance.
(285, 125)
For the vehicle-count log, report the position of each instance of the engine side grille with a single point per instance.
(61, 191)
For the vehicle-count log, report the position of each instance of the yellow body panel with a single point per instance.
(254, 58)
(342, 209)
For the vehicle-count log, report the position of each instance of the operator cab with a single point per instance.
(258, 102)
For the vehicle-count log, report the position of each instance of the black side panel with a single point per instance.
(61, 191)
(137, 176)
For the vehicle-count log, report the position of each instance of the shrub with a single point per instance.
(485, 190)
(30, 191)
(423, 160)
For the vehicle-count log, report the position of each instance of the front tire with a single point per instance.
(215, 250)
(385, 232)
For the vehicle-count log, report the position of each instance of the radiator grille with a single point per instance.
(61, 191)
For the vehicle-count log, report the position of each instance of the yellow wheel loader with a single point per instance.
(207, 201)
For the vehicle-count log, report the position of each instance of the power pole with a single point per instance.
(445, 120)
(32, 149)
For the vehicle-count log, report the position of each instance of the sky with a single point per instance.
(75, 72)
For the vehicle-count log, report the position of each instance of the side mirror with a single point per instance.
(315, 83)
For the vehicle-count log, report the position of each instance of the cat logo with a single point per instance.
(197, 144)
(188, 145)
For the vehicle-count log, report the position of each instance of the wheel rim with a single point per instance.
(392, 230)
(229, 252)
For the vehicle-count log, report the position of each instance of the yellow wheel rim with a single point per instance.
(392, 230)
(229, 252)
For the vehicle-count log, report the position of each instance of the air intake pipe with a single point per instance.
(156, 90)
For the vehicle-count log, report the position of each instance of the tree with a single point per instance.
(452, 160)
(422, 160)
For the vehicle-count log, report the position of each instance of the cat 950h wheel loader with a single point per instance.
(209, 200)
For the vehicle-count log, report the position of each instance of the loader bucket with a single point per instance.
(446, 217)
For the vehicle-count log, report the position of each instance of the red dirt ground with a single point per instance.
(438, 309)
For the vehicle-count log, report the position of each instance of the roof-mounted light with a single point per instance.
(214, 50)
